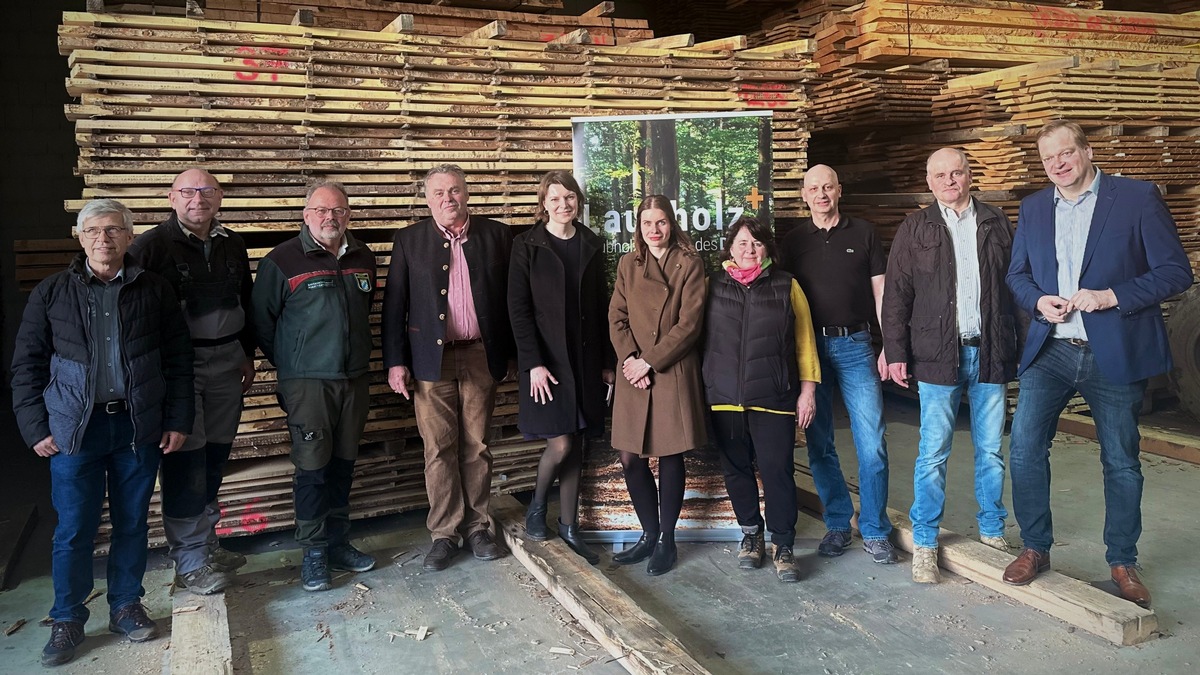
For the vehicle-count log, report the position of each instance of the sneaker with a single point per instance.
(65, 636)
(785, 565)
(751, 552)
(881, 551)
(925, 565)
(131, 621)
(998, 543)
(204, 581)
(314, 571)
(349, 559)
(224, 560)
(834, 543)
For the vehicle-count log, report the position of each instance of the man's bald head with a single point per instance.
(822, 192)
(195, 209)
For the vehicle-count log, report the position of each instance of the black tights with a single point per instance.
(668, 497)
(562, 459)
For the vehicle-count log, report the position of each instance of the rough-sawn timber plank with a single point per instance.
(1076, 602)
(638, 640)
(200, 638)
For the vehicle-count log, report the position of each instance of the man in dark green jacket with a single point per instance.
(311, 301)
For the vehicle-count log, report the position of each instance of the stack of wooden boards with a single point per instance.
(268, 108)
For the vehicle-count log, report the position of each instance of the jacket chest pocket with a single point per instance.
(927, 256)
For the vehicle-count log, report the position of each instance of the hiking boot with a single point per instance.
(881, 551)
(131, 621)
(752, 549)
(65, 636)
(785, 565)
(346, 558)
(224, 560)
(314, 571)
(204, 580)
(998, 543)
(925, 565)
(834, 543)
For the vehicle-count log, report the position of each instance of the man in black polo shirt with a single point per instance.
(840, 266)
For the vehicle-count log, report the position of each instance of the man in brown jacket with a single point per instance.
(948, 323)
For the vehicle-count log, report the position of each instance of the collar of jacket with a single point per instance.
(132, 268)
(984, 212)
(311, 246)
(175, 230)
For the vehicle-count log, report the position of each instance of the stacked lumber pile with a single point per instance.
(268, 108)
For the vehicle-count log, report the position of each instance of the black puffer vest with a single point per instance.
(750, 342)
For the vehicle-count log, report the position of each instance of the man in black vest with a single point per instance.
(445, 325)
(209, 269)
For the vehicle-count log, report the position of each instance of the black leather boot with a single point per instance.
(664, 556)
(570, 534)
(638, 552)
(535, 522)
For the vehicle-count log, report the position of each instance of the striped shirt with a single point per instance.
(1072, 222)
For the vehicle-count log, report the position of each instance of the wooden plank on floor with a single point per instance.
(1154, 441)
(1071, 600)
(15, 527)
(639, 642)
(200, 637)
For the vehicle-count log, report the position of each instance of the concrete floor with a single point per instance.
(848, 615)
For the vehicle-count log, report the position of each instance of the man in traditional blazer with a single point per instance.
(445, 325)
(1093, 257)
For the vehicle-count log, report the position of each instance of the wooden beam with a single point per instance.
(639, 642)
(15, 528)
(666, 42)
(493, 30)
(1071, 600)
(403, 23)
(192, 10)
(602, 9)
(732, 43)
(807, 46)
(579, 36)
(200, 637)
(304, 17)
(1154, 441)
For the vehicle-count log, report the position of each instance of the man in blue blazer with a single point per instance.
(1093, 257)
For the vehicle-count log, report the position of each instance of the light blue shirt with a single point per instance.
(964, 234)
(1072, 222)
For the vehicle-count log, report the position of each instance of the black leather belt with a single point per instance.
(968, 341)
(1074, 341)
(112, 407)
(843, 331)
(462, 343)
(214, 342)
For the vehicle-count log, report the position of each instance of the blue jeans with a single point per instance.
(850, 362)
(939, 410)
(1060, 370)
(105, 457)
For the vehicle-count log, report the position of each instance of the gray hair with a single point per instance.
(98, 208)
(331, 184)
(962, 154)
(452, 169)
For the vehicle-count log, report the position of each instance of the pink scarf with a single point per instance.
(746, 276)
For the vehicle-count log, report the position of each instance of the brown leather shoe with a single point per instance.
(483, 546)
(1026, 567)
(1131, 587)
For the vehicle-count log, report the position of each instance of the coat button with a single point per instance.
(445, 267)
(443, 291)
(439, 341)
(442, 317)
(654, 333)
(446, 245)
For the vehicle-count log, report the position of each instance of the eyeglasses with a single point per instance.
(95, 232)
(322, 212)
(206, 192)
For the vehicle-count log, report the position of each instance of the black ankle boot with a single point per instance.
(638, 552)
(664, 556)
(570, 534)
(535, 522)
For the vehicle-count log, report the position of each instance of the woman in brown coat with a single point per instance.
(655, 319)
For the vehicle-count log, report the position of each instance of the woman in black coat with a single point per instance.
(557, 301)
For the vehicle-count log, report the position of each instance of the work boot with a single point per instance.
(204, 580)
(753, 548)
(131, 621)
(314, 571)
(664, 556)
(998, 543)
(346, 558)
(643, 549)
(65, 636)
(483, 546)
(535, 522)
(881, 551)
(785, 565)
(925, 565)
(570, 535)
(224, 560)
(440, 555)
(834, 543)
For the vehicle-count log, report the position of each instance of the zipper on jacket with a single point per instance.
(90, 390)
(125, 366)
(741, 383)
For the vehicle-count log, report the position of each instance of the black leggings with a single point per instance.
(562, 459)
(657, 509)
